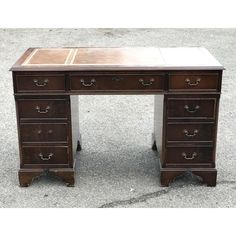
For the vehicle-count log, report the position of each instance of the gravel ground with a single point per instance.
(117, 167)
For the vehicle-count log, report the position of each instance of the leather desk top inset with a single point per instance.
(77, 59)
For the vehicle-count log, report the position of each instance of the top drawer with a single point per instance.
(40, 83)
(194, 81)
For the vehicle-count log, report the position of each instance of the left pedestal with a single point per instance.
(48, 133)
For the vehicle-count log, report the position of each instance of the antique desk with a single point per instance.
(186, 83)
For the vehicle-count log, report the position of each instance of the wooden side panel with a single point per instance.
(158, 122)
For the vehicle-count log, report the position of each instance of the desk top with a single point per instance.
(138, 58)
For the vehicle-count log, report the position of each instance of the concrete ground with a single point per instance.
(117, 167)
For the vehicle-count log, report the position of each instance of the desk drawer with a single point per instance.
(191, 108)
(191, 81)
(45, 155)
(43, 132)
(117, 82)
(42, 108)
(40, 83)
(189, 132)
(189, 156)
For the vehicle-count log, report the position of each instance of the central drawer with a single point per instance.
(42, 108)
(117, 82)
(44, 155)
(43, 132)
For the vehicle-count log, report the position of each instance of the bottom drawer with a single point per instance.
(45, 155)
(189, 156)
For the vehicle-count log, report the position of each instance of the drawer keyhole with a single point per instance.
(189, 157)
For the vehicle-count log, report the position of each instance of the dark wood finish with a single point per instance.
(42, 109)
(191, 108)
(46, 146)
(45, 156)
(192, 81)
(40, 83)
(117, 82)
(188, 156)
(43, 132)
(27, 176)
(207, 175)
(47, 82)
(190, 132)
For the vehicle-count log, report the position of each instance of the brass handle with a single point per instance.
(190, 157)
(41, 84)
(195, 132)
(186, 107)
(47, 158)
(188, 81)
(147, 84)
(39, 110)
(91, 83)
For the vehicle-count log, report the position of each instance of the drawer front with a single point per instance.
(40, 83)
(43, 132)
(42, 108)
(190, 82)
(191, 108)
(190, 132)
(44, 155)
(189, 155)
(117, 82)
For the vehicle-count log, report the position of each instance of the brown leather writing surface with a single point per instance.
(150, 58)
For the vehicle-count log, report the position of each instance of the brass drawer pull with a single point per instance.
(91, 83)
(41, 84)
(188, 81)
(47, 158)
(147, 84)
(190, 157)
(186, 132)
(186, 107)
(42, 111)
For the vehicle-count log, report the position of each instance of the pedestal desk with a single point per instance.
(186, 83)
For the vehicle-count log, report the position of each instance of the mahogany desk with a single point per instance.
(186, 113)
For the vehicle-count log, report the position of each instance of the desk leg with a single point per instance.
(171, 165)
(27, 176)
(207, 175)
